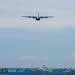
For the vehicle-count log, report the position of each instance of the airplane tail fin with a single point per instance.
(38, 14)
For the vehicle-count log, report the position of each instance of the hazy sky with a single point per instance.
(29, 43)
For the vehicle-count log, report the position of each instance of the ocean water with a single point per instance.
(32, 72)
(51, 73)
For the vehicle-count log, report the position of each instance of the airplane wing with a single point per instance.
(29, 16)
(46, 17)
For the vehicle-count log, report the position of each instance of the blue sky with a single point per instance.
(28, 43)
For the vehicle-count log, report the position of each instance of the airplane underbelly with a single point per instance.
(38, 19)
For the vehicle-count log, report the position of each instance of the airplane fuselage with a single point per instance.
(37, 18)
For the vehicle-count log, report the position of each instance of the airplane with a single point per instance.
(37, 18)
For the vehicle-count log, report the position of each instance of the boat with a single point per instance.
(3, 71)
(44, 69)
